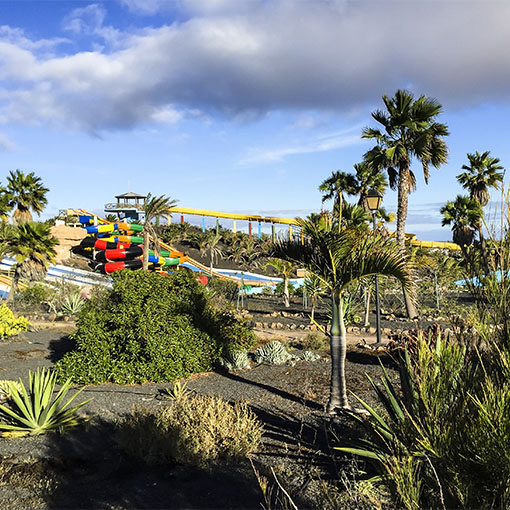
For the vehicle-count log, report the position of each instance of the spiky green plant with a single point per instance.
(37, 411)
(71, 304)
(235, 360)
(273, 353)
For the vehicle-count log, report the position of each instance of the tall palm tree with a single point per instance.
(154, 207)
(26, 193)
(464, 215)
(334, 188)
(33, 247)
(338, 258)
(410, 131)
(368, 178)
(284, 268)
(482, 173)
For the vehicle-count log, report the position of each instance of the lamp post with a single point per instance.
(374, 199)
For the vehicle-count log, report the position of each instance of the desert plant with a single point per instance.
(37, 411)
(235, 360)
(273, 353)
(195, 430)
(438, 442)
(36, 294)
(11, 325)
(6, 386)
(71, 304)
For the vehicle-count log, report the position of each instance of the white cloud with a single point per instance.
(323, 143)
(6, 145)
(89, 20)
(257, 57)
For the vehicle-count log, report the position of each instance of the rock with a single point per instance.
(313, 327)
(386, 331)
(273, 325)
(259, 325)
(279, 325)
(371, 330)
(355, 330)
(292, 327)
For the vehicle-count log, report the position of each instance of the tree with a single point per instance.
(410, 131)
(335, 186)
(482, 173)
(338, 258)
(154, 207)
(464, 214)
(284, 269)
(26, 193)
(314, 288)
(210, 243)
(33, 247)
(5, 208)
(368, 178)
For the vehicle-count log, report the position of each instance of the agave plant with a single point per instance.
(72, 304)
(35, 411)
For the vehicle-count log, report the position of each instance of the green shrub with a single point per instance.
(9, 324)
(225, 289)
(273, 353)
(150, 327)
(36, 294)
(441, 442)
(195, 430)
(280, 286)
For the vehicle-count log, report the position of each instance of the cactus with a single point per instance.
(309, 356)
(273, 353)
(235, 360)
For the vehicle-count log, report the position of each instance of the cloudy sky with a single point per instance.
(241, 105)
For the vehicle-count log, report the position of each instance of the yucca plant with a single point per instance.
(37, 411)
(441, 441)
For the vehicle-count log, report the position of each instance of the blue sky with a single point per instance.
(241, 105)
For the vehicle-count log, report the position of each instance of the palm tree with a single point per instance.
(314, 288)
(33, 247)
(26, 193)
(284, 268)
(464, 214)
(338, 258)
(335, 186)
(410, 131)
(154, 207)
(368, 178)
(210, 243)
(482, 173)
(5, 208)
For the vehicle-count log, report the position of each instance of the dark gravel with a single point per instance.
(83, 469)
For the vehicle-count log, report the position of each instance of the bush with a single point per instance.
(226, 289)
(9, 324)
(196, 430)
(37, 294)
(280, 286)
(150, 327)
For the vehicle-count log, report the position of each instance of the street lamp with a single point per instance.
(374, 199)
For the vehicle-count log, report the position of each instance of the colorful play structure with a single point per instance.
(115, 246)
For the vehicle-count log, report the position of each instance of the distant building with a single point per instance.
(129, 206)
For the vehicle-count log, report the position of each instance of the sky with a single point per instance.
(242, 105)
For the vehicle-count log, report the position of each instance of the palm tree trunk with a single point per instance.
(145, 265)
(338, 346)
(403, 199)
(286, 296)
(367, 308)
(14, 286)
(211, 265)
(483, 248)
